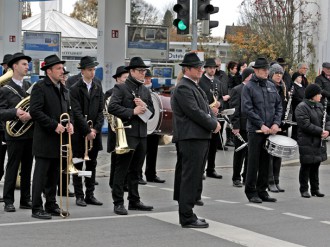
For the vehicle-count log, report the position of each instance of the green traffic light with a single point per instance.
(182, 26)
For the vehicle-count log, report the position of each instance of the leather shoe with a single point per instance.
(199, 203)
(197, 224)
(237, 183)
(317, 193)
(81, 202)
(255, 199)
(139, 206)
(1, 199)
(92, 200)
(272, 188)
(25, 205)
(156, 180)
(120, 209)
(268, 199)
(142, 182)
(55, 211)
(41, 215)
(279, 188)
(96, 183)
(214, 174)
(305, 194)
(9, 208)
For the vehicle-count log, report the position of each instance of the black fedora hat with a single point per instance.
(261, 63)
(16, 57)
(210, 62)
(66, 71)
(51, 61)
(119, 71)
(136, 62)
(87, 62)
(148, 73)
(281, 61)
(6, 59)
(191, 60)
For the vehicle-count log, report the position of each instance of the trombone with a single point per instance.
(65, 152)
(88, 144)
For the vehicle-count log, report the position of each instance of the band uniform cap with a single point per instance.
(246, 73)
(148, 73)
(87, 62)
(326, 65)
(312, 90)
(261, 63)
(210, 62)
(6, 59)
(191, 60)
(281, 61)
(16, 57)
(136, 62)
(119, 71)
(51, 61)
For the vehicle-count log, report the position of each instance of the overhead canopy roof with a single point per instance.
(58, 22)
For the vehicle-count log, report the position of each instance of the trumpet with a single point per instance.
(88, 144)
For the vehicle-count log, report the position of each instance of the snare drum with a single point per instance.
(281, 146)
(161, 122)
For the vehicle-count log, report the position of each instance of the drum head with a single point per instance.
(153, 122)
(282, 140)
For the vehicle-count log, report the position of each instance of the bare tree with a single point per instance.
(143, 13)
(26, 10)
(86, 11)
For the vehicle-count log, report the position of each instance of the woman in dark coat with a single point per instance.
(313, 127)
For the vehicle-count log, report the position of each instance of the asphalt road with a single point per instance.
(292, 221)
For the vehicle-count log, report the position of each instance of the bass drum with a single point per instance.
(161, 122)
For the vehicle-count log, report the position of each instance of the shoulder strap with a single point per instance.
(14, 91)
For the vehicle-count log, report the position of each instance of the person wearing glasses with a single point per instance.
(302, 70)
(323, 80)
(131, 102)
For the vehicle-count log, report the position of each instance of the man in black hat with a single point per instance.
(4, 63)
(19, 147)
(212, 88)
(193, 125)
(262, 105)
(131, 102)
(323, 80)
(120, 77)
(86, 97)
(49, 100)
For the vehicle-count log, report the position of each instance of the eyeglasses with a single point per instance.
(141, 70)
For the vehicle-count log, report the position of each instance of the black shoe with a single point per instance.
(25, 205)
(96, 183)
(1, 199)
(223, 148)
(255, 199)
(9, 208)
(237, 183)
(214, 174)
(305, 194)
(142, 182)
(139, 206)
(268, 199)
(199, 203)
(197, 224)
(56, 211)
(120, 209)
(41, 215)
(273, 188)
(81, 202)
(156, 180)
(92, 200)
(317, 193)
(279, 188)
(229, 143)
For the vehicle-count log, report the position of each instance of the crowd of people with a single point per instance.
(266, 98)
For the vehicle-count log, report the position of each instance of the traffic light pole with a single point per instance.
(194, 26)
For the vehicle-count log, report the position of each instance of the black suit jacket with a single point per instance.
(193, 118)
(46, 106)
(211, 88)
(84, 104)
(238, 119)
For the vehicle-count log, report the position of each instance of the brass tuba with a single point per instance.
(117, 126)
(4, 79)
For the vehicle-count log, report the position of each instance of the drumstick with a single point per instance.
(260, 131)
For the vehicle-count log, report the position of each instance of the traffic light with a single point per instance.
(204, 10)
(182, 8)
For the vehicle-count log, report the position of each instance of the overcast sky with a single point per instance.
(228, 11)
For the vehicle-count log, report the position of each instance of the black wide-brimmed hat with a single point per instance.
(191, 60)
(16, 57)
(119, 71)
(281, 61)
(261, 63)
(87, 62)
(66, 72)
(148, 73)
(6, 59)
(51, 61)
(210, 62)
(136, 62)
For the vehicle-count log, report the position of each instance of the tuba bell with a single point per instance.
(4, 79)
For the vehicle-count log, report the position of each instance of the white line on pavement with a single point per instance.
(168, 189)
(298, 216)
(259, 206)
(230, 202)
(326, 222)
(150, 186)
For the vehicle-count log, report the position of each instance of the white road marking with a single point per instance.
(150, 186)
(168, 189)
(230, 202)
(298, 216)
(326, 222)
(230, 233)
(206, 197)
(259, 206)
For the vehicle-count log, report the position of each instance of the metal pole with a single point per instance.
(194, 25)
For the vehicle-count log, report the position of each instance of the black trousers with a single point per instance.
(45, 177)
(220, 141)
(240, 157)
(151, 156)
(89, 182)
(188, 176)
(129, 164)
(309, 172)
(112, 168)
(274, 170)
(19, 152)
(3, 150)
(258, 166)
(212, 153)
